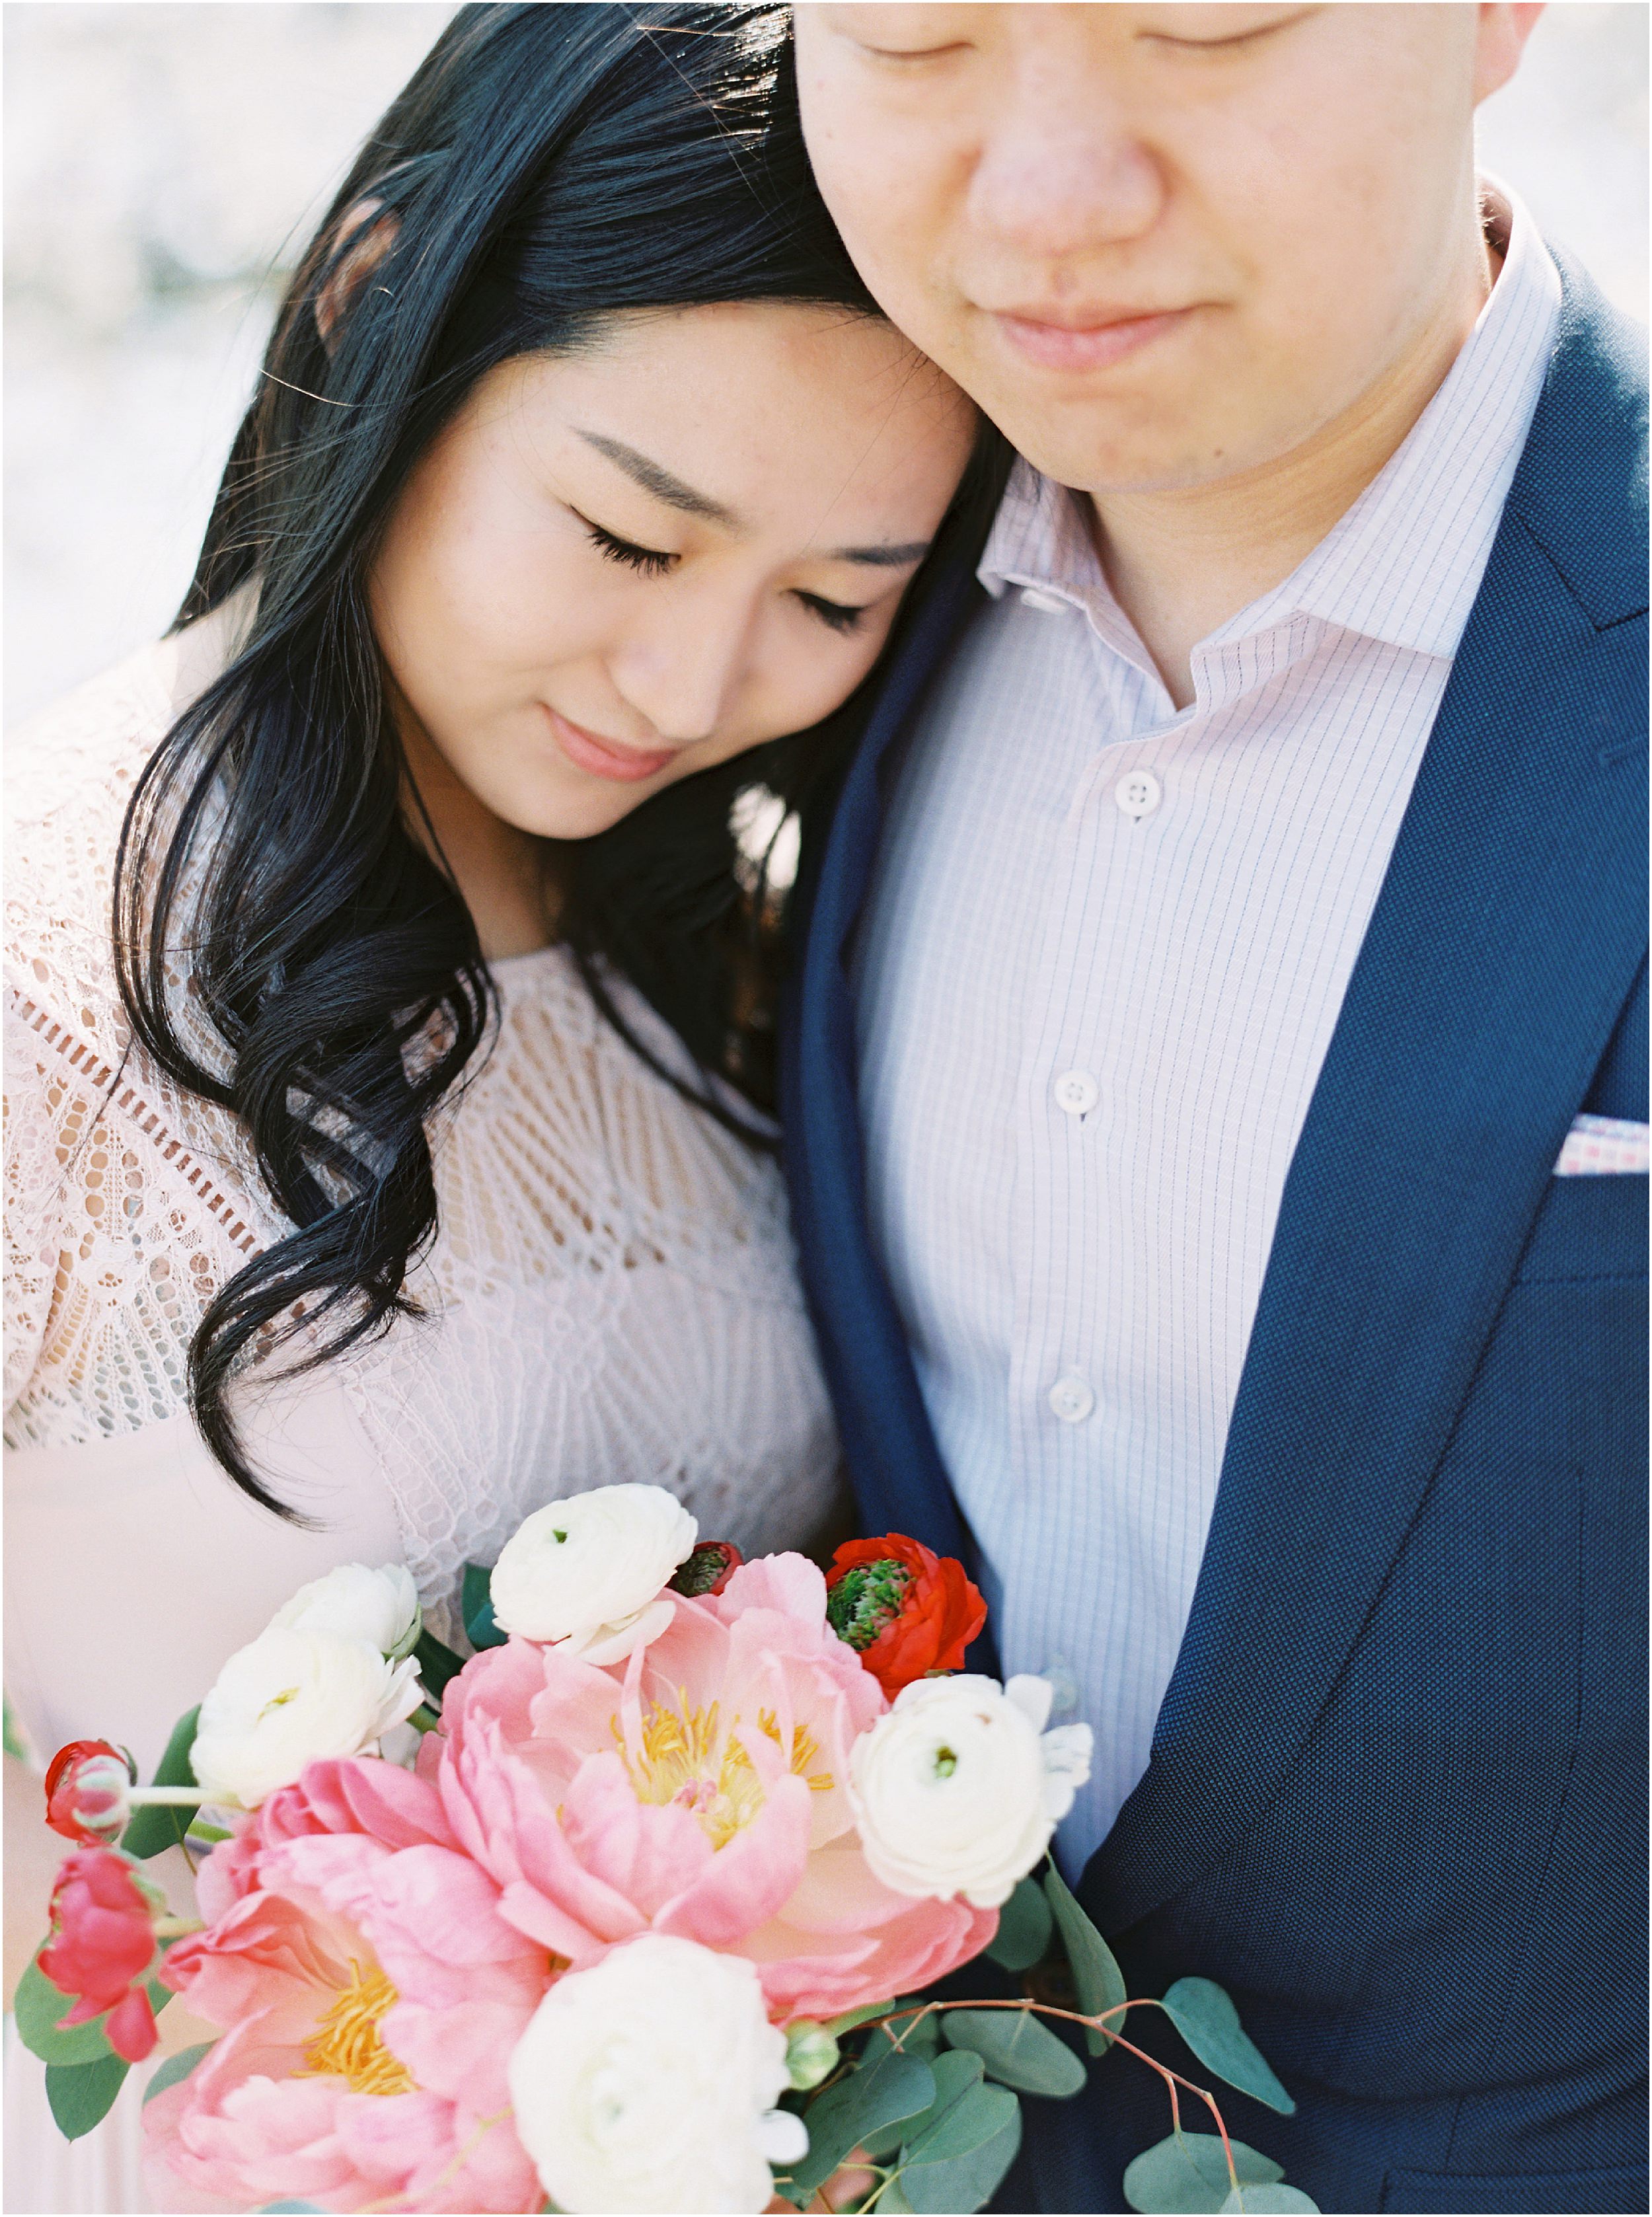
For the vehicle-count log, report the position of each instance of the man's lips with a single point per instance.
(1079, 343)
(607, 758)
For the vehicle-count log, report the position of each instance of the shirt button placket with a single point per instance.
(1076, 1092)
(1137, 793)
(1071, 1398)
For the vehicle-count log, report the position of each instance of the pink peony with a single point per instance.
(696, 1789)
(102, 1944)
(372, 1994)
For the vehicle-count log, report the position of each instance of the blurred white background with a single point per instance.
(163, 165)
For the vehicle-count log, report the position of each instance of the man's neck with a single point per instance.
(1182, 563)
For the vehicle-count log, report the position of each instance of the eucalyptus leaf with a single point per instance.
(476, 1607)
(1096, 1974)
(83, 2094)
(438, 1666)
(177, 2067)
(837, 2026)
(891, 2202)
(1025, 1928)
(1187, 2176)
(878, 2094)
(922, 2039)
(979, 2115)
(954, 2076)
(36, 2007)
(965, 2182)
(1017, 2050)
(1207, 2020)
(152, 1831)
(1270, 2201)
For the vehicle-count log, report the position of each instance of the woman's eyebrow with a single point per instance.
(655, 478)
(883, 557)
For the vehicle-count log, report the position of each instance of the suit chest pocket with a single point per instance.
(1588, 1229)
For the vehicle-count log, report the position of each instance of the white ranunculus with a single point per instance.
(590, 1572)
(648, 2083)
(958, 1788)
(378, 1607)
(291, 1697)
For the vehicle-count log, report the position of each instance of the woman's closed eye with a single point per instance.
(841, 616)
(836, 615)
(652, 561)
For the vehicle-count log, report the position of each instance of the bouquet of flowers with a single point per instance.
(634, 1910)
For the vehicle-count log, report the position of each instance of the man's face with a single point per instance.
(1159, 245)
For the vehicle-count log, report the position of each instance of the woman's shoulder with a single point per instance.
(69, 773)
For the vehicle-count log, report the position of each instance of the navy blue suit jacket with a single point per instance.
(1397, 1797)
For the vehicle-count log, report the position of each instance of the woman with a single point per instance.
(402, 1161)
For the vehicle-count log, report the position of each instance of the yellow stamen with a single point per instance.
(805, 1749)
(347, 2044)
(687, 1758)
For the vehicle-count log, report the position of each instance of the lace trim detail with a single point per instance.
(144, 1120)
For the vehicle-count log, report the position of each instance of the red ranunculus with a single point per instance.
(86, 1789)
(102, 1943)
(908, 1611)
(707, 1569)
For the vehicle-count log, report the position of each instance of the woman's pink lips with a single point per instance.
(603, 758)
(1095, 346)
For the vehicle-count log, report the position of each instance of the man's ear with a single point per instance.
(1503, 32)
(364, 245)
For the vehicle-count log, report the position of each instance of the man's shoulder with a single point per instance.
(1581, 489)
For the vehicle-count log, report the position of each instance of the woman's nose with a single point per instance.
(681, 665)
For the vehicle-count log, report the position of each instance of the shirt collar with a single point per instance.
(1405, 563)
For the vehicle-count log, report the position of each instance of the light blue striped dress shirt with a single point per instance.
(1106, 950)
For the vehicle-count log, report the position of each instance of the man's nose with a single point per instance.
(1061, 174)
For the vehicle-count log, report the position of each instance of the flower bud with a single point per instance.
(102, 1943)
(88, 1791)
(811, 2054)
(708, 1569)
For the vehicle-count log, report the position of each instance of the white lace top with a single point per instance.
(611, 1296)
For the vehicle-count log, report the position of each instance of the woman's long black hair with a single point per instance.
(546, 166)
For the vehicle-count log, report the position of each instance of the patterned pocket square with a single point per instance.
(1603, 1147)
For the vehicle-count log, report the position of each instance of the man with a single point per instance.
(1230, 944)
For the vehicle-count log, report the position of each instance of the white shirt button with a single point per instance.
(1077, 1092)
(1071, 1399)
(1049, 604)
(1138, 792)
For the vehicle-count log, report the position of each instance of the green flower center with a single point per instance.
(866, 1599)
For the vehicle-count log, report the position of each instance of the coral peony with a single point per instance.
(904, 1611)
(699, 1789)
(372, 1995)
(102, 1944)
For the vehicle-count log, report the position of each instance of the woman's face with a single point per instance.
(615, 568)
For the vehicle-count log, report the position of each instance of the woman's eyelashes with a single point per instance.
(840, 616)
(836, 615)
(650, 560)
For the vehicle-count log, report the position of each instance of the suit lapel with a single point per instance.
(900, 1481)
(1506, 936)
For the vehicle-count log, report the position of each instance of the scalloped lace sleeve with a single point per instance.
(127, 1204)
